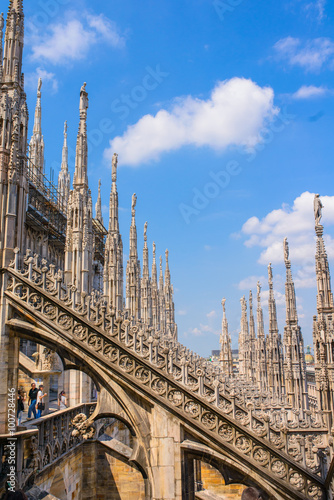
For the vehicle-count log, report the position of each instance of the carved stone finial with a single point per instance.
(160, 262)
(258, 287)
(39, 86)
(65, 128)
(167, 254)
(154, 248)
(318, 206)
(145, 231)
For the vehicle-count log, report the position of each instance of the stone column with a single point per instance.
(46, 389)
(166, 456)
(9, 360)
(85, 388)
(72, 387)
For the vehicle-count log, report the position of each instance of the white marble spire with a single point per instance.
(293, 344)
(252, 340)
(226, 361)
(113, 255)
(80, 178)
(133, 280)
(274, 344)
(64, 178)
(13, 46)
(98, 205)
(36, 146)
(261, 354)
(323, 323)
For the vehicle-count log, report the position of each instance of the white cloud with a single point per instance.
(250, 282)
(279, 298)
(201, 330)
(211, 314)
(71, 40)
(297, 223)
(49, 80)
(311, 55)
(318, 8)
(236, 113)
(309, 91)
(182, 313)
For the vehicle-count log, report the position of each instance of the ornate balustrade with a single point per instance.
(288, 450)
(17, 451)
(44, 441)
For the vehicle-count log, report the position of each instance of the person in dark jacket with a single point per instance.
(20, 406)
(32, 400)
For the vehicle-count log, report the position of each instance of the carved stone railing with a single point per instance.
(43, 442)
(185, 363)
(147, 363)
(55, 433)
(19, 455)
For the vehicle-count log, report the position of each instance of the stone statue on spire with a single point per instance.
(286, 249)
(114, 164)
(145, 231)
(318, 206)
(83, 98)
(223, 304)
(39, 86)
(134, 203)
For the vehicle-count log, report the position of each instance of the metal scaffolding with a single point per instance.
(46, 206)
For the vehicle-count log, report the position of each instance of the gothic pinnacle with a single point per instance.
(133, 228)
(38, 111)
(13, 45)
(81, 157)
(36, 146)
(273, 328)
(225, 342)
(260, 323)
(161, 276)
(64, 163)
(145, 254)
(64, 178)
(98, 206)
(290, 294)
(324, 295)
(154, 266)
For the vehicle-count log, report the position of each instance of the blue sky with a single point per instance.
(222, 114)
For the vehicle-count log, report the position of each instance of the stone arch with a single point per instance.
(58, 488)
(116, 427)
(233, 471)
(110, 391)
